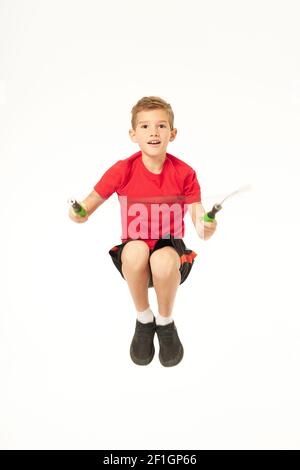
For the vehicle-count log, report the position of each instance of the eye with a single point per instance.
(145, 125)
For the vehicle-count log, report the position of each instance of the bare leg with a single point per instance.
(165, 264)
(136, 271)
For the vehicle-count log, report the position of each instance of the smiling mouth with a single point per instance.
(154, 144)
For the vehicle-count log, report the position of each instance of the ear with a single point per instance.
(132, 135)
(173, 134)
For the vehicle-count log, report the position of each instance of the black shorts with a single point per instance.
(186, 256)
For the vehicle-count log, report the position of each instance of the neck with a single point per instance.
(154, 163)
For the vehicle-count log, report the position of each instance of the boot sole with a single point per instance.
(142, 362)
(172, 362)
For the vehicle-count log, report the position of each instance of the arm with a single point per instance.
(204, 229)
(90, 204)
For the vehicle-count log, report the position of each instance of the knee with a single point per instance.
(164, 262)
(135, 255)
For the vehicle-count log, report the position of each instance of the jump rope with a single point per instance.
(207, 217)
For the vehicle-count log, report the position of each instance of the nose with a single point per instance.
(154, 132)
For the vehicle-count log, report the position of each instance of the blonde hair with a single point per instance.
(151, 102)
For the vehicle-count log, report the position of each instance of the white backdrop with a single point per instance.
(70, 73)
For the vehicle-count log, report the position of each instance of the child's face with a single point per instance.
(153, 125)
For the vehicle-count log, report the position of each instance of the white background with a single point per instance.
(71, 71)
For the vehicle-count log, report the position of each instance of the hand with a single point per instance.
(77, 218)
(206, 229)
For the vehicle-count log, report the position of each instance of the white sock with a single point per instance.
(161, 320)
(146, 316)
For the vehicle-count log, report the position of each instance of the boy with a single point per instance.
(152, 253)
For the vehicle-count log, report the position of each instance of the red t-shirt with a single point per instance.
(152, 205)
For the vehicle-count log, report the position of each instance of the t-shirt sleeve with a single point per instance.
(192, 190)
(110, 180)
